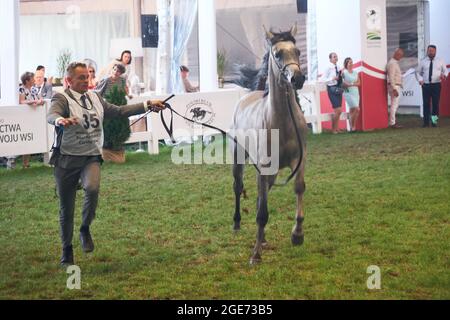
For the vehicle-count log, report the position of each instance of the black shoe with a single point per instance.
(425, 125)
(86, 241)
(67, 256)
(434, 125)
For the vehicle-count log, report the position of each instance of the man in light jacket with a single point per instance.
(395, 85)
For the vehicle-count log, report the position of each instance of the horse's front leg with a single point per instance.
(297, 236)
(238, 186)
(261, 218)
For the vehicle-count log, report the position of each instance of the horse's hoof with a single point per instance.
(237, 227)
(255, 260)
(297, 240)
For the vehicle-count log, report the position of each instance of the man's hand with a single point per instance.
(156, 105)
(395, 92)
(421, 82)
(67, 122)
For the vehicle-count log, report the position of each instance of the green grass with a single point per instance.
(165, 232)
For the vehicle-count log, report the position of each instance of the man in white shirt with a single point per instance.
(430, 73)
(332, 77)
(395, 84)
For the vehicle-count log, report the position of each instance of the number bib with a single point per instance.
(86, 138)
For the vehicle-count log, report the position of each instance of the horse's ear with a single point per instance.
(269, 35)
(294, 30)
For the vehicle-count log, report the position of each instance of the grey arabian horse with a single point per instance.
(277, 110)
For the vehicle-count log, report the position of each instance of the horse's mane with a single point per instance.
(251, 78)
(256, 79)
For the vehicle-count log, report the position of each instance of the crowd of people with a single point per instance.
(35, 87)
(345, 82)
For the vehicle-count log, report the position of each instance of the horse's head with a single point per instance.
(285, 56)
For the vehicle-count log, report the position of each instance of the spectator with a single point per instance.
(395, 84)
(188, 87)
(430, 73)
(42, 68)
(351, 83)
(26, 96)
(105, 86)
(42, 87)
(92, 79)
(333, 79)
(125, 60)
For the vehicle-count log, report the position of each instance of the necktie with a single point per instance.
(83, 101)
(431, 71)
(337, 71)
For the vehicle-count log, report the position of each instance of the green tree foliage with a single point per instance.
(116, 131)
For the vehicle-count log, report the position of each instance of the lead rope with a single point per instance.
(299, 140)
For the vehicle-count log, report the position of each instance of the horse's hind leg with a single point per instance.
(271, 181)
(261, 218)
(238, 173)
(297, 236)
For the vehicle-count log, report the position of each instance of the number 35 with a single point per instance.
(91, 121)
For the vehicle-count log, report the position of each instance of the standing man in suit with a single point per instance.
(430, 73)
(42, 87)
(78, 117)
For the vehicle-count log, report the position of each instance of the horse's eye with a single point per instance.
(278, 54)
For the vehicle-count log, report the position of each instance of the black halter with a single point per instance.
(282, 69)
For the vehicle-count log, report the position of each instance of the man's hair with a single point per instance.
(120, 67)
(27, 76)
(184, 69)
(398, 50)
(40, 68)
(70, 71)
(432, 46)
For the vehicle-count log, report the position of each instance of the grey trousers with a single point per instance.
(66, 184)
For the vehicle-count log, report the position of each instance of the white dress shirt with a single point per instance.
(439, 69)
(329, 75)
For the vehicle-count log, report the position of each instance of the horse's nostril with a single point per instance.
(298, 81)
